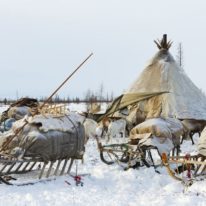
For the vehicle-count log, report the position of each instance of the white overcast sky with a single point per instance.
(42, 41)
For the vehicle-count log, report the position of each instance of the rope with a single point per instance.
(77, 133)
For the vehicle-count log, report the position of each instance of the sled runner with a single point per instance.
(185, 168)
(37, 168)
(126, 155)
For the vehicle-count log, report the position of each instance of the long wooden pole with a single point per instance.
(61, 85)
(5, 145)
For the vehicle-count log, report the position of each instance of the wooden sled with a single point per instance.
(39, 170)
(186, 168)
(126, 155)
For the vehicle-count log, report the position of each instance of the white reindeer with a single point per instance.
(90, 127)
(107, 129)
(116, 128)
(111, 129)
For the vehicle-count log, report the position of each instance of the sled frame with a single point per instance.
(126, 155)
(44, 170)
(194, 165)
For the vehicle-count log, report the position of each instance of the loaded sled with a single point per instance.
(45, 145)
(152, 137)
(42, 139)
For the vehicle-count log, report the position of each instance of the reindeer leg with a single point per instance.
(191, 134)
(173, 152)
(183, 137)
(178, 150)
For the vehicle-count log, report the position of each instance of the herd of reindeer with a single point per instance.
(108, 128)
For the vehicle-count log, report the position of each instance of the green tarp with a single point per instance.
(125, 100)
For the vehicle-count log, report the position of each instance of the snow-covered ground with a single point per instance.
(82, 107)
(3, 108)
(108, 185)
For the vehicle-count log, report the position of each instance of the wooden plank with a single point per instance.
(32, 166)
(26, 165)
(70, 165)
(10, 168)
(2, 169)
(64, 166)
(19, 166)
(185, 162)
(49, 170)
(57, 168)
(42, 170)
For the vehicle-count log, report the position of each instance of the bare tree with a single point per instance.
(5, 101)
(101, 92)
(17, 95)
(112, 96)
(68, 99)
(88, 95)
(56, 98)
(107, 97)
(179, 56)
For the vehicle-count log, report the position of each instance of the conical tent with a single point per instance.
(164, 90)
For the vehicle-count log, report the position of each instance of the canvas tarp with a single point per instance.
(167, 128)
(47, 137)
(161, 133)
(164, 145)
(19, 109)
(128, 99)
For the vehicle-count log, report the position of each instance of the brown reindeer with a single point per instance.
(191, 127)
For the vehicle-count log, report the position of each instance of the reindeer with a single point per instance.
(191, 127)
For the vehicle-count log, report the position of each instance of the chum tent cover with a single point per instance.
(163, 89)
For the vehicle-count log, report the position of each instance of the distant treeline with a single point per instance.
(58, 99)
(61, 100)
(90, 96)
